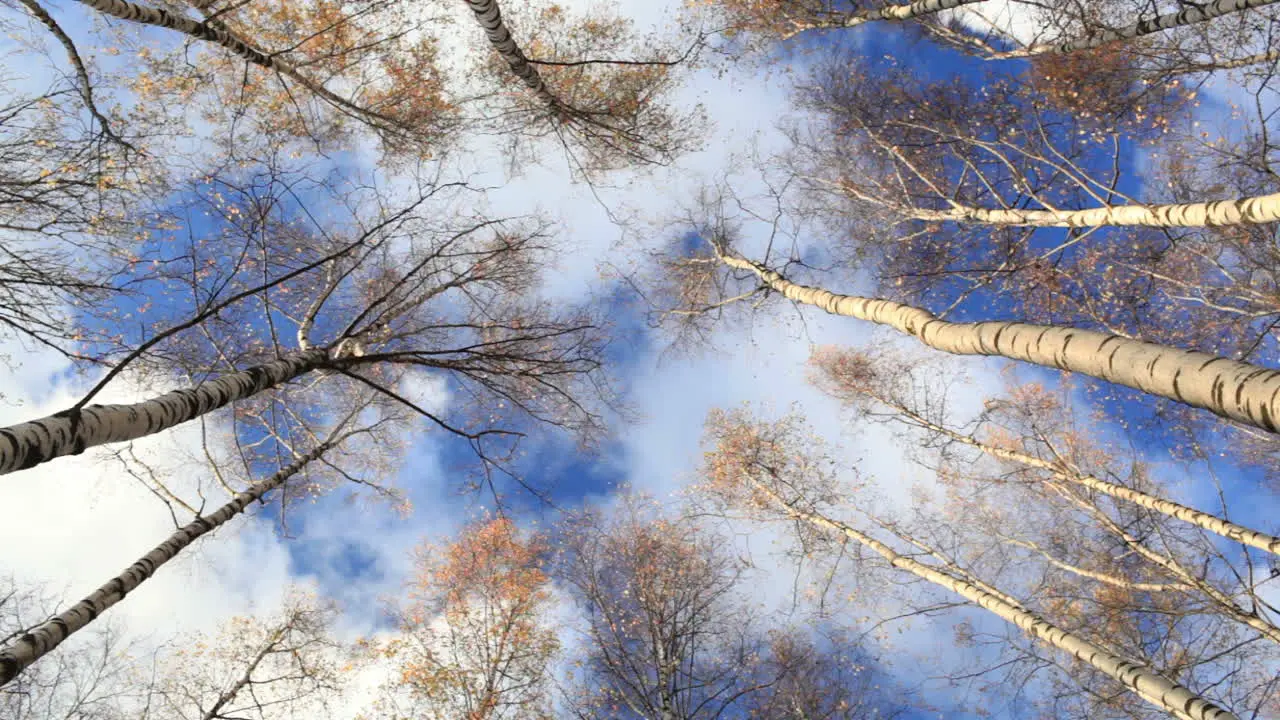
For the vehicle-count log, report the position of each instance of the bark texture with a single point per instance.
(489, 15)
(32, 646)
(1240, 211)
(72, 431)
(1150, 686)
(906, 12)
(1188, 16)
(1232, 389)
(920, 8)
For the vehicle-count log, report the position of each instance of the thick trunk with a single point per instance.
(489, 15)
(1212, 523)
(1188, 16)
(1241, 211)
(71, 432)
(1240, 391)
(1150, 686)
(40, 641)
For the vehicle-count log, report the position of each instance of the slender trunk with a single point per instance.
(72, 431)
(32, 646)
(1269, 56)
(1193, 580)
(1240, 211)
(489, 15)
(1150, 686)
(910, 11)
(1188, 16)
(215, 711)
(1240, 391)
(1101, 577)
(1212, 523)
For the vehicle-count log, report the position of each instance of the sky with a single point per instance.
(74, 522)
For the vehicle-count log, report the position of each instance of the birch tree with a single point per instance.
(951, 215)
(856, 376)
(987, 30)
(1176, 595)
(22, 651)
(281, 62)
(929, 158)
(376, 294)
(83, 680)
(1229, 388)
(378, 299)
(760, 468)
(762, 21)
(591, 82)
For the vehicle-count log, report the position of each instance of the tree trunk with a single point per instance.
(489, 15)
(72, 431)
(1188, 16)
(1241, 211)
(1150, 686)
(910, 11)
(32, 646)
(1240, 391)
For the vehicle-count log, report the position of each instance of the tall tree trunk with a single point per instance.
(71, 432)
(919, 8)
(1187, 16)
(1212, 523)
(1241, 211)
(489, 15)
(1150, 686)
(32, 646)
(1240, 391)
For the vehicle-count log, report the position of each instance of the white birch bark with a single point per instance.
(1268, 56)
(489, 15)
(1187, 16)
(40, 641)
(72, 431)
(1237, 390)
(1147, 684)
(1240, 211)
(909, 11)
(1214, 524)
(1101, 577)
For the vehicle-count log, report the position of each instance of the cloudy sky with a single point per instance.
(72, 523)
